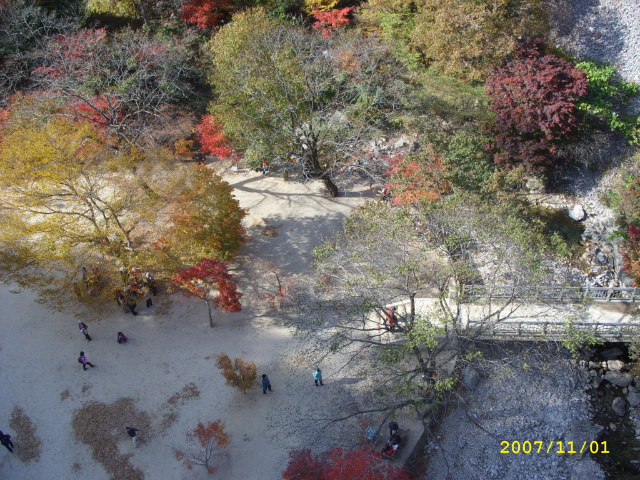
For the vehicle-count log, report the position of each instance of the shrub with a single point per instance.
(534, 98)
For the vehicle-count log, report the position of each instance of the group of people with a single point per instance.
(92, 281)
(136, 287)
(84, 329)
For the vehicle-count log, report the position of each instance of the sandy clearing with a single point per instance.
(170, 347)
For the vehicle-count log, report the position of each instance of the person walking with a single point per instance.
(317, 377)
(266, 384)
(132, 302)
(84, 329)
(150, 283)
(265, 165)
(132, 433)
(146, 294)
(84, 361)
(122, 338)
(5, 440)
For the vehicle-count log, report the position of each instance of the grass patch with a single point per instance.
(453, 100)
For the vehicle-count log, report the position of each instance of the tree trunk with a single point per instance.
(210, 314)
(316, 170)
(332, 188)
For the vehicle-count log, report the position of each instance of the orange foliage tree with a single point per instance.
(212, 139)
(206, 13)
(238, 373)
(417, 180)
(340, 464)
(329, 21)
(205, 444)
(207, 221)
(210, 274)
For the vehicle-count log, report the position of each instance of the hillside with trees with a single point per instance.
(467, 116)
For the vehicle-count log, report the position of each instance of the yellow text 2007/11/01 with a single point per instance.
(538, 446)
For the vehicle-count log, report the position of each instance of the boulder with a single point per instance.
(577, 213)
(535, 185)
(619, 379)
(619, 406)
(470, 377)
(616, 365)
(611, 353)
(581, 431)
(597, 381)
(633, 398)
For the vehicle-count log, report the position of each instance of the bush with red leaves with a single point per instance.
(207, 13)
(534, 98)
(340, 464)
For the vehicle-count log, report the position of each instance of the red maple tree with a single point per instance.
(415, 180)
(212, 139)
(534, 98)
(205, 444)
(210, 274)
(340, 464)
(330, 20)
(206, 13)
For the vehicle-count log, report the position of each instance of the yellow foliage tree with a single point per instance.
(117, 8)
(458, 38)
(69, 200)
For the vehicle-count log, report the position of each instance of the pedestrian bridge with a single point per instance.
(606, 314)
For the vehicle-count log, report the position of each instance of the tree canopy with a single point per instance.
(296, 98)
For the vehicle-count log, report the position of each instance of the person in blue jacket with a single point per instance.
(266, 384)
(317, 377)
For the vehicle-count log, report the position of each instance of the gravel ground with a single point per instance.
(528, 393)
(605, 30)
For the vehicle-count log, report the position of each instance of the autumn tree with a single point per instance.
(238, 373)
(458, 38)
(69, 200)
(206, 221)
(534, 98)
(207, 13)
(329, 21)
(297, 99)
(205, 445)
(25, 28)
(212, 138)
(418, 260)
(207, 276)
(340, 464)
(128, 83)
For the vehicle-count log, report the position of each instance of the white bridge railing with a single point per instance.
(617, 332)
(544, 293)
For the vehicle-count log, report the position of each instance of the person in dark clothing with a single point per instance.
(132, 302)
(122, 338)
(84, 329)
(393, 443)
(132, 433)
(150, 283)
(266, 384)
(84, 361)
(5, 440)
